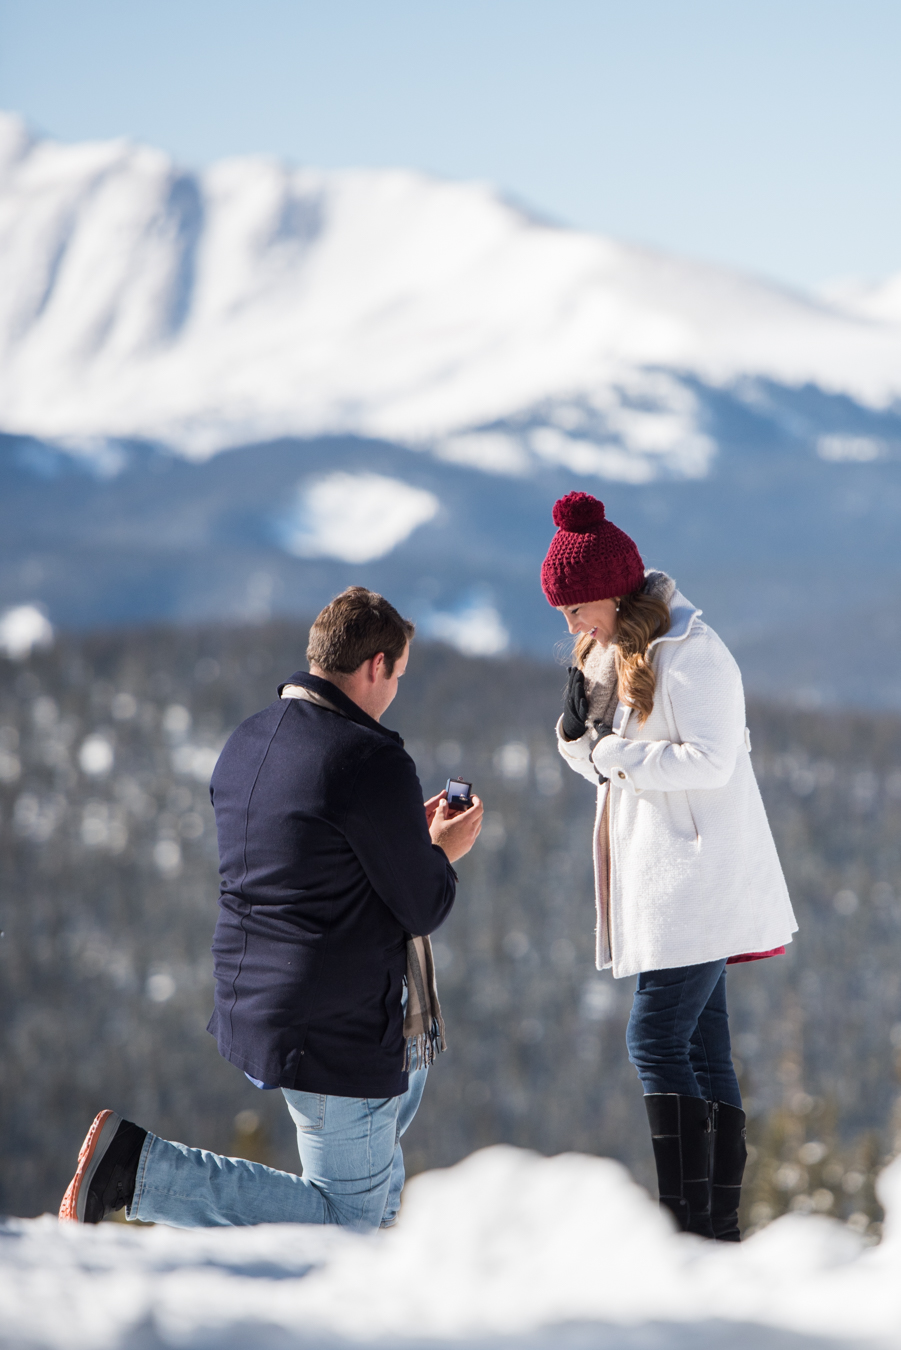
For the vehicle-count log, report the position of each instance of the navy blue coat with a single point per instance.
(326, 867)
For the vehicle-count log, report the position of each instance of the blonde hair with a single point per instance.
(640, 618)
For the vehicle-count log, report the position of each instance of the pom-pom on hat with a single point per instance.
(589, 558)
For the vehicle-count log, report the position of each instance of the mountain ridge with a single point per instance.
(793, 558)
(251, 300)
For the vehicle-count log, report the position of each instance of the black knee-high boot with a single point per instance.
(680, 1132)
(727, 1169)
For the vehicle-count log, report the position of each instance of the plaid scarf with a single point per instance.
(423, 1023)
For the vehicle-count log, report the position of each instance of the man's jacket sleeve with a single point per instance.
(386, 829)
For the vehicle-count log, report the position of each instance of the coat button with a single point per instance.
(621, 774)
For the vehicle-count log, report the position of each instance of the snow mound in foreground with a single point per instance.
(506, 1248)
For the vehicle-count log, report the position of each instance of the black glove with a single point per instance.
(602, 730)
(575, 706)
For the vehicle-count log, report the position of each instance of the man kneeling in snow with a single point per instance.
(330, 866)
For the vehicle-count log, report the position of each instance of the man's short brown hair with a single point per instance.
(355, 627)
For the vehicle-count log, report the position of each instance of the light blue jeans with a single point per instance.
(350, 1156)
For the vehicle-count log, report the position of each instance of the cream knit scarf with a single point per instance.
(423, 1023)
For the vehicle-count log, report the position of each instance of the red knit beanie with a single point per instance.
(589, 558)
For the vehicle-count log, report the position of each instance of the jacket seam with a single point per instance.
(317, 980)
(240, 966)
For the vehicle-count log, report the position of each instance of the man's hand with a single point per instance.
(455, 834)
(431, 806)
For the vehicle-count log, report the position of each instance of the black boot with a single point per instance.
(727, 1169)
(680, 1132)
(104, 1180)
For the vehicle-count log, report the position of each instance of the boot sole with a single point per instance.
(96, 1142)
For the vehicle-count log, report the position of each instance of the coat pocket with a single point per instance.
(391, 1004)
(308, 1110)
(694, 824)
(681, 822)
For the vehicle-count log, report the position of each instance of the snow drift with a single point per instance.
(507, 1248)
(255, 300)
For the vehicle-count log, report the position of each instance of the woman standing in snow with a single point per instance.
(687, 877)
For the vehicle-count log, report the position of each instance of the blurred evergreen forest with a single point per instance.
(108, 885)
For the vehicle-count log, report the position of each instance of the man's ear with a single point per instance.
(376, 666)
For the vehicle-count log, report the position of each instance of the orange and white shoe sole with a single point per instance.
(96, 1142)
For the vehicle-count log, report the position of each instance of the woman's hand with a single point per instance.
(602, 729)
(575, 706)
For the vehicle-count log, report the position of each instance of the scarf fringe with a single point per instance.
(421, 1050)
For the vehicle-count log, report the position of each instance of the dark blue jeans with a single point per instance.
(678, 1034)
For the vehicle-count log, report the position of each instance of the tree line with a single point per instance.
(108, 885)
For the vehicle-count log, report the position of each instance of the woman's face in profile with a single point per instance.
(597, 618)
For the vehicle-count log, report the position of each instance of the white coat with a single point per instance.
(693, 871)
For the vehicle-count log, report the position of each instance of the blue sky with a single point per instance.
(764, 135)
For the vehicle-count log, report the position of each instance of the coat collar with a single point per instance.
(351, 710)
(683, 615)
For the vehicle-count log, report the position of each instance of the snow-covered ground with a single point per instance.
(256, 300)
(506, 1249)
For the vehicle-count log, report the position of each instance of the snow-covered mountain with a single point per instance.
(405, 373)
(255, 300)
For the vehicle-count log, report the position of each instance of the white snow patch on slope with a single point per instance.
(505, 1245)
(850, 449)
(355, 517)
(256, 300)
(475, 627)
(490, 451)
